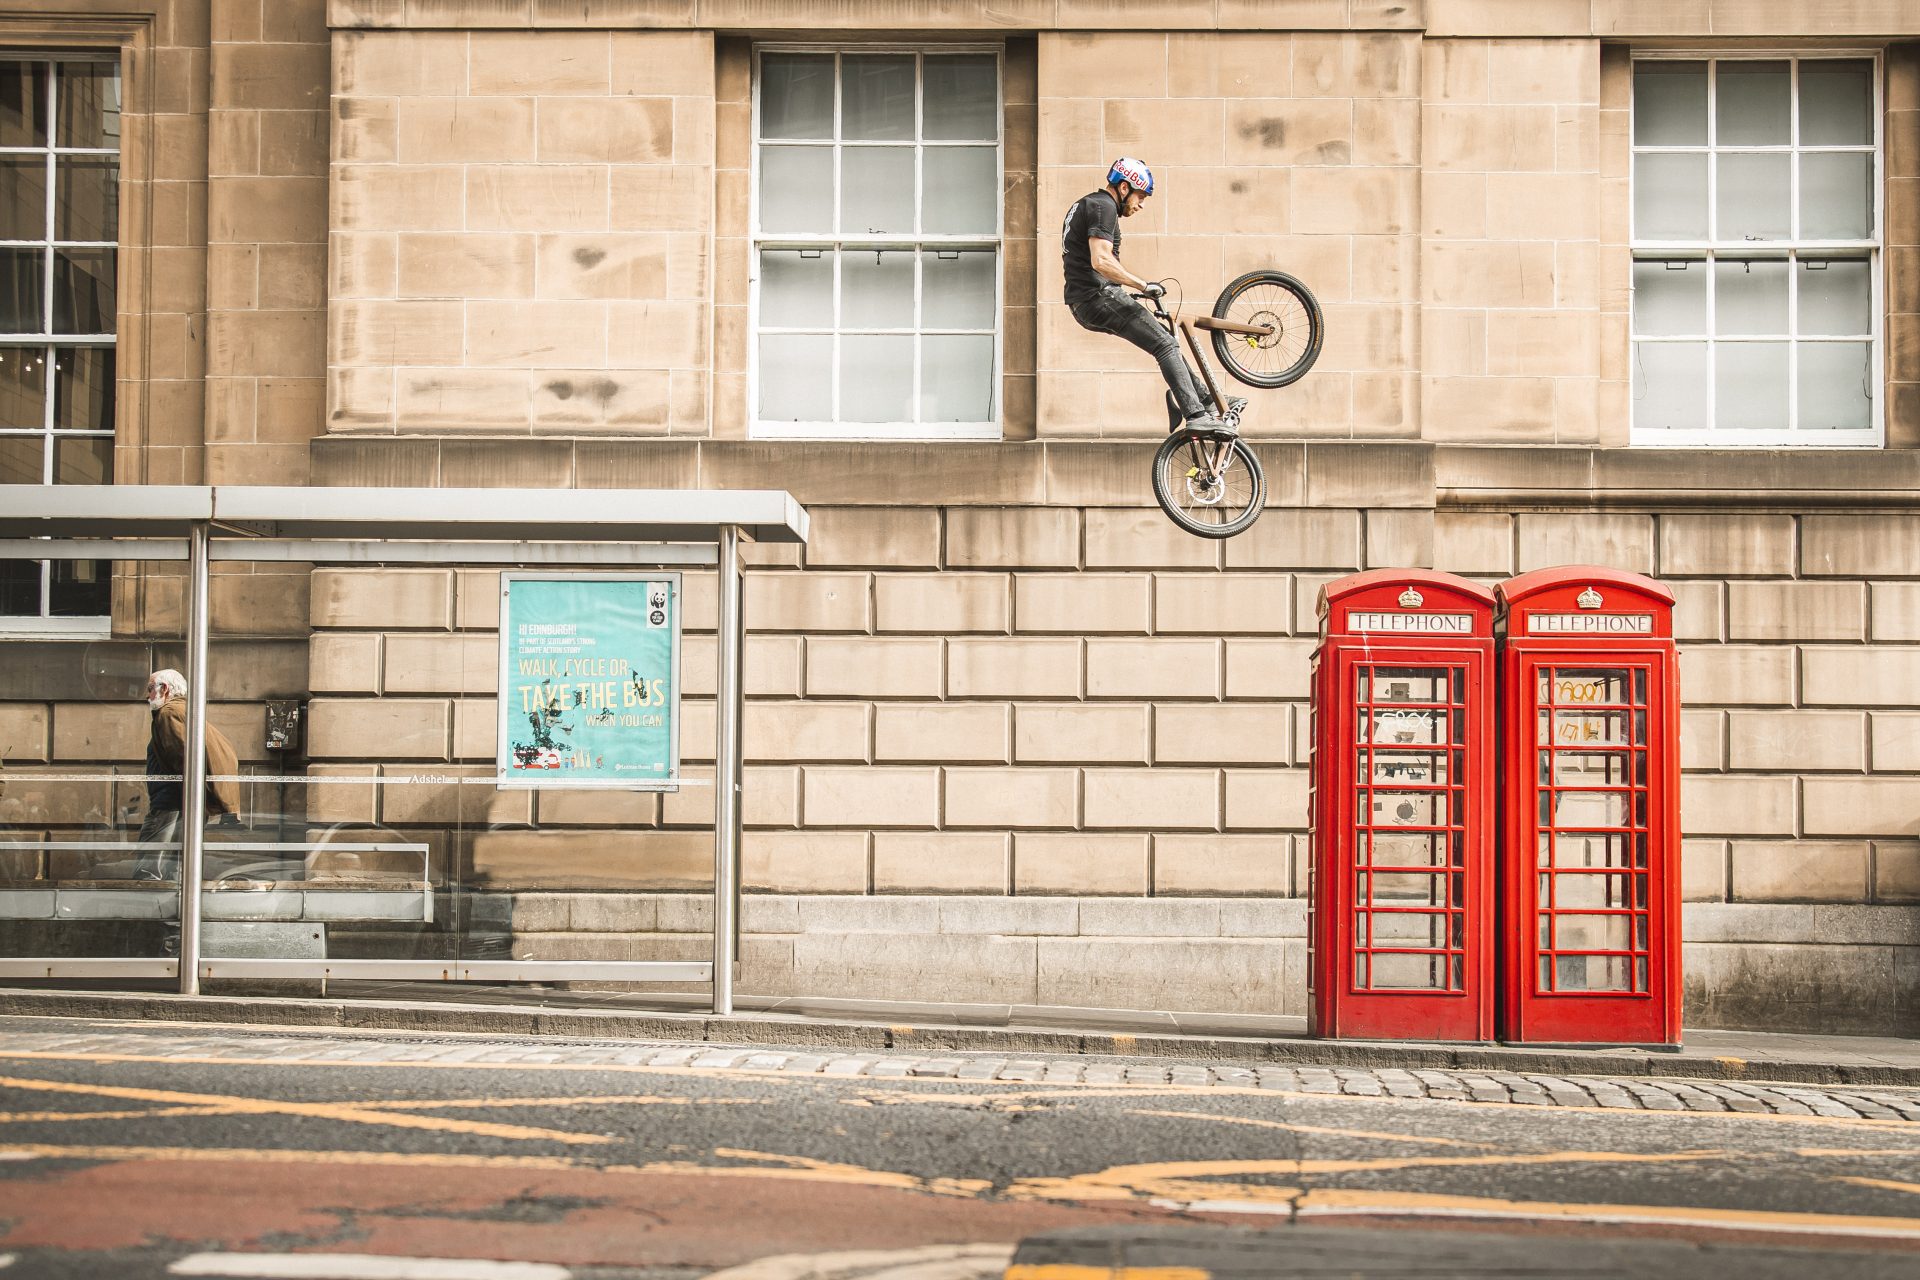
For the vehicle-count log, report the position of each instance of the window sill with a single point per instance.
(874, 431)
(56, 628)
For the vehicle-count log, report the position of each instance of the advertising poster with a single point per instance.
(590, 680)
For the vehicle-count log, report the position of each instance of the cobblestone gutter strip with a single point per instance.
(917, 1042)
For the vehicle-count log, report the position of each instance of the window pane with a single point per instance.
(1669, 298)
(796, 95)
(876, 289)
(1752, 106)
(89, 94)
(83, 460)
(962, 190)
(1670, 197)
(1836, 296)
(1752, 198)
(956, 378)
(23, 290)
(796, 289)
(1670, 385)
(80, 588)
(19, 579)
(1836, 387)
(1750, 297)
(87, 198)
(1836, 103)
(962, 97)
(876, 97)
(876, 379)
(796, 378)
(876, 193)
(83, 389)
(1670, 104)
(796, 189)
(23, 387)
(1836, 195)
(23, 197)
(957, 289)
(83, 291)
(23, 104)
(22, 460)
(1750, 386)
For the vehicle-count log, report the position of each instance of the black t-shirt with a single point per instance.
(1094, 214)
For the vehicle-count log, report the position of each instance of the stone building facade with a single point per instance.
(1012, 737)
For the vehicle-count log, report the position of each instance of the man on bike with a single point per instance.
(1096, 284)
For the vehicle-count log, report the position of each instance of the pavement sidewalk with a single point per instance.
(926, 1028)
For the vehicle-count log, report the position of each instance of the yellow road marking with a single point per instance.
(1012, 1089)
(791, 1168)
(623, 1099)
(1325, 1202)
(1312, 1128)
(1885, 1184)
(316, 1110)
(1184, 1179)
(1074, 1271)
(45, 1117)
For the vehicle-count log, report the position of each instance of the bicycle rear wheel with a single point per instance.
(1209, 484)
(1274, 300)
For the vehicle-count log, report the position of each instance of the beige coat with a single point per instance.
(170, 736)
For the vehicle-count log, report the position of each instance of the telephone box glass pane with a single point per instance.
(1400, 887)
(1405, 768)
(1593, 973)
(1588, 688)
(1592, 768)
(1590, 809)
(1602, 892)
(1598, 851)
(1574, 932)
(1589, 728)
(1408, 809)
(1409, 850)
(1406, 684)
(1410, 972)
(1404, 727)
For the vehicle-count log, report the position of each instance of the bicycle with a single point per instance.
(1267, 330)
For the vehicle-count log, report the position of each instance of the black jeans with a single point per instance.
(160, 827)
(1111, 311)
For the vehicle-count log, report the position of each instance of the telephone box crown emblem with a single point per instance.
(1589, 599)
(1411, 599)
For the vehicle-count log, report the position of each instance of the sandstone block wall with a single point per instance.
(521, 231)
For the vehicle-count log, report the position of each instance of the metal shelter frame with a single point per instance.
(533, 528)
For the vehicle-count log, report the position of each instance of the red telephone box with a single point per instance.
(1591, 867)
(1401, 932)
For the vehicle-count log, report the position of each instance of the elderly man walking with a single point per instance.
(167, 755)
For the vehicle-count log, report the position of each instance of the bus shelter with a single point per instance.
(523, 533)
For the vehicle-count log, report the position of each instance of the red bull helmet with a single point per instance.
(1127, 169)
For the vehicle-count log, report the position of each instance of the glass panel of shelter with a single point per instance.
(89, 834)
(1409, 837)
(1591, 811)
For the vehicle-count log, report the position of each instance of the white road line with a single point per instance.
(359, 1266)
(6, 1260)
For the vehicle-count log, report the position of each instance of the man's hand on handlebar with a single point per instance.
(1154, 289)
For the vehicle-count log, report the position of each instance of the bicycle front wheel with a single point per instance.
(1276, 302)
(1209, 484)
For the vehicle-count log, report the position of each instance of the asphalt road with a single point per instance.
(154, 1149)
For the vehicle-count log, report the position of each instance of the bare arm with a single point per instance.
(1107, 265)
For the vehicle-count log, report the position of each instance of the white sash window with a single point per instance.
(876, 223)
(1756, 250)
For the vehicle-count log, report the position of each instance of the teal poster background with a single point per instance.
(589, 680)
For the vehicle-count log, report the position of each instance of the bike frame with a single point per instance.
(1208, 456)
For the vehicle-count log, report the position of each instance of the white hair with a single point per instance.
(173, 680)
